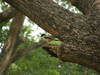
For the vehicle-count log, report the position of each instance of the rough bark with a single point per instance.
(80, 34)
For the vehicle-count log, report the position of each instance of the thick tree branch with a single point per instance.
(80, 34)
(7, 14)
(74, 56)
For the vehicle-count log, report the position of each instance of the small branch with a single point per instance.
(7, 14)
(23, 51)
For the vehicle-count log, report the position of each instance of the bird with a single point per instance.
(48, 38)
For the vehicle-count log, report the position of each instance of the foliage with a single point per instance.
(4, 30)
(38, 62)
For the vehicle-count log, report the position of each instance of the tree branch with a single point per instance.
(23, 51)
(7, 14)
(80, 34)
(74, 56)
(9, 45)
